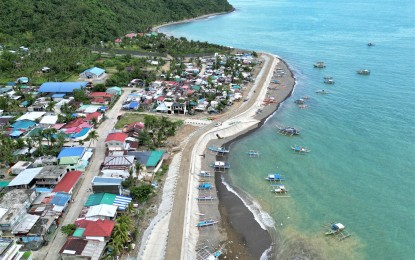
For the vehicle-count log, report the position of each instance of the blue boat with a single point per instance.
(218, 149)
(275, 177)
(300, 149)
(204, 186)
(207, 222)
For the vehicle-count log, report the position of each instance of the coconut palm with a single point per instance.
(92, 137)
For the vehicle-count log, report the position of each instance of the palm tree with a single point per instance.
(92, 136)
(51, 106)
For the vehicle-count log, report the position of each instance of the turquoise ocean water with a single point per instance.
(361, 167)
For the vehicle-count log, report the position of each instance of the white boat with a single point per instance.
(363, 72)
(319, 65)
(300, 149)
(322, 91)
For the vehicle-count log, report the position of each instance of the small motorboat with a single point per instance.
(300, 149)
(299, 101)
(370, 44)
(363, 72)
(328, 80)
(274, 177)
(319, 65)
(279, 189)
(321, 91)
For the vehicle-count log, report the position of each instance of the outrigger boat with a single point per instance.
(253, 153)
(321, 91)
(218, 149)
(328, 80)
(288, 131)
(203, 198)
(279, 189)
(300, 149)
(204, 186)
(319, 64)
(206, 223)
(274, 177)
(219, 165)
(336, 229)
(205, 174)
(363, 72)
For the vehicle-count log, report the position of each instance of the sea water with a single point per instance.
(360, 170)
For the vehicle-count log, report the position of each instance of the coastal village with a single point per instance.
(83, 164)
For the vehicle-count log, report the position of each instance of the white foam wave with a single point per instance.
(262, 217)
(264, 255)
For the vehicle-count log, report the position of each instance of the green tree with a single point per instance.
(141, 193)
(68, 229)
(92, 137)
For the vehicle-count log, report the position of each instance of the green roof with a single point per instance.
(196, 87)
(4, 183)
(100, 198)
(154, 158)
(78, 232)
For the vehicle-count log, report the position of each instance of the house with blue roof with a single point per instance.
(61, 87)
(23, 125)
(94, 73)
(71, 155)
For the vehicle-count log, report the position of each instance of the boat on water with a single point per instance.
(322, 91)
(206, 223)
(288, 131)
(370, 44)
(302, 106)
(204, 198)
(275, 177)
(299, 101)
(219, 165)
(253, 153)
(204, 186)
(319, 65)
(279, 189)
(300, 149)
(336, 229)
(205, 174)
(328, 80)
(363, 72)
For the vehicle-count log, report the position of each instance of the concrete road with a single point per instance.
(51, 251)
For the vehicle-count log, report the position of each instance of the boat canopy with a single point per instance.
(219, 163)
(338, 226)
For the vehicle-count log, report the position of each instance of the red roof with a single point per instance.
(161, 98)
(116, 137)
(100, 94)
(68, 181)
(74, 244)
(74, 123)
(92, 115)
(139, 125)
(97, 228)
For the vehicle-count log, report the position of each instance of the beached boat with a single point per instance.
(319, 65)
(288, 131)
(300, 149)
(219, 165)
(322, 91)
(218, 149)
(205, 174)
(204, 186)
(336, 229)
(363, 72)
(275, 177)
(204, 198)
(206, 223)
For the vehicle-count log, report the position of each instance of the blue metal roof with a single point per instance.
(15, 133)
(95, 70)
(71, 151)
(43, 190)
(106, 181)
(60, 199)
(134, 105)
(61, 87)
(83, 132)
(58, 95)
(23, 124)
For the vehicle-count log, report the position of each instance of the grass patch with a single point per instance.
(129, 118)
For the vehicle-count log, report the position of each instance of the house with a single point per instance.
(48, 121)
(19, 167)
(123, 162)
(107, 184)
(61, 200)
(13, 206)
(94, 73)
(114, 90)
(100, 230)
(71, 155)
(32, 116)
(34, 230)
(116, 141)
(10, 250)
(5, 121)
(101, 98)
(68, 182)
(115, 173)
(22, 80)
(58, 97)
(23, 125)
(61, 87)
(151, 160)
(95, 116)
(50, 175)
(102, 211)
(25, 179)
(121, 202)
(78, 248)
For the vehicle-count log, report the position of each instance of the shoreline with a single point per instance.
(156, 28)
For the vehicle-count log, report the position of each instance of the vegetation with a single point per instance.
(68, 229)
(141, 193)
(93, 21)
(156, 131)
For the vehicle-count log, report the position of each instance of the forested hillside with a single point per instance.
(91, 21)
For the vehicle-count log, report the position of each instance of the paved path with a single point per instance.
(177, 238)
(51, 251)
